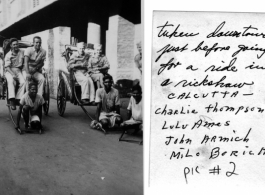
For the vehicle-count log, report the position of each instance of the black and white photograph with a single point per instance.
(207, 97)
(71, 97)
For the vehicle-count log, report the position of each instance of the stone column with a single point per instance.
(61, 38)
(93, 33)
(120, 48)
(112, 45)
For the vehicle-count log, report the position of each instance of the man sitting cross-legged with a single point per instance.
(79, 61)
(108, 109)
(13, 66)
(134, 110)
(31, 108)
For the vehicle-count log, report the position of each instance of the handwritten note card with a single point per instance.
(208, 99)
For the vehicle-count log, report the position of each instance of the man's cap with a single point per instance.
(90, 46)
(80, 44)
(97, 46)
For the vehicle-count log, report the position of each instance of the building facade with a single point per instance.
(116, 24)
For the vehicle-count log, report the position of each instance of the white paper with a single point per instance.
(239, 89)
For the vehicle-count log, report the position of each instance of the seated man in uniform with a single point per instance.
(13, 66)
(34, 61)
(108, 109)
(78, 61)
(98, 65)
(31, 105)
(134, 110)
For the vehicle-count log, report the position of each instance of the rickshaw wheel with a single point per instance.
(61, 97)
(46, 96)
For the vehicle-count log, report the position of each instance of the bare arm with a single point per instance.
(99, 106)
(26, 64)
(7, 65)
(105, 66)
(39, 65)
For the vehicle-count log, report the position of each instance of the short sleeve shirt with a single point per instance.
(14, 60)
(26, 100)
(108, 100)
(35, 56)
(136, 109)
(100, 62)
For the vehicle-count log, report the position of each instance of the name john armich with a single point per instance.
(215, 152)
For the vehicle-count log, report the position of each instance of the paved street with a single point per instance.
(69, 158)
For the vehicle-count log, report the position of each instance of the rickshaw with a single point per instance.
(68, 88)
(46, 93)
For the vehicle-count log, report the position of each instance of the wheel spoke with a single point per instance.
(61, 98)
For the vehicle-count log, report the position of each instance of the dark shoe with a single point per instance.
(85, 101)
(13, 104)
(93, 103)
(17, 101)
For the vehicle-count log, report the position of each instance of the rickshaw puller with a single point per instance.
(108, 109)
(134, 110)
(31, 108)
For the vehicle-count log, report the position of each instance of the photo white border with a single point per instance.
(185, 5)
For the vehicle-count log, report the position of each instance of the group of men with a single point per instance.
(91, 66)
(23, 68)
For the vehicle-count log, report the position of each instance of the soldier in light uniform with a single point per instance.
(34, 61)
(79, 61)
(13, 66)
(98, 65)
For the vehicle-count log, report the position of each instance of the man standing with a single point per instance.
(34, 61)
(98, 65)
(79, 61)
(108, 109)
(13, 66)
